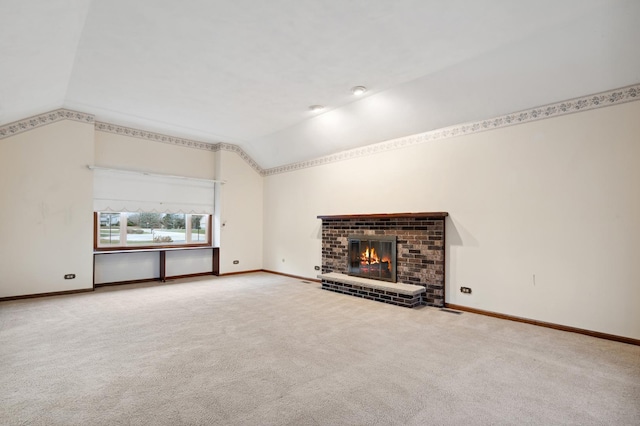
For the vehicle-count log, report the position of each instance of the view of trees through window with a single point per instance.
(149, 229)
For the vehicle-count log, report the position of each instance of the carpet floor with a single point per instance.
(262, 349)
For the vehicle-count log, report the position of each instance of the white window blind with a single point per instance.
(132, 191)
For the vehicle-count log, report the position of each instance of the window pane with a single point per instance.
(138, 229)
(199, 228)
(109, 229)
(172, 231)
(141, 228)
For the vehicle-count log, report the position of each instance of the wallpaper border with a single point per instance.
(173, 140)
(40, 120)
(153, 136)
(558, 109)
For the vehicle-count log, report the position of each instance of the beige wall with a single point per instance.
(125, 152)
(46, 209)
(557, 198)
(240, 214)
(46, 219)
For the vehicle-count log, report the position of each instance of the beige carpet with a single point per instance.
(261, 349)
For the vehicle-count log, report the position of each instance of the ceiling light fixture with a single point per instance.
(316, 108)
(358, 90)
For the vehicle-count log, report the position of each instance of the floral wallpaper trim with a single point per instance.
(600, 100)
(585, 103)
(187, 143)
(152, 136)
(36, 121)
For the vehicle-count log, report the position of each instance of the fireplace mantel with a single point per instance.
(423, 215)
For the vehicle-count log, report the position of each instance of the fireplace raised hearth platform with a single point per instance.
(406, 295)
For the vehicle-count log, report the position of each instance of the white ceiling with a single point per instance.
(246, 71)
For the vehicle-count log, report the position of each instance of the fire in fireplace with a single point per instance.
(372, 257)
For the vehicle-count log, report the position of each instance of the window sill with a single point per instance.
(104, 250)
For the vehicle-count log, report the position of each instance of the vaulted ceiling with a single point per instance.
(246, 71)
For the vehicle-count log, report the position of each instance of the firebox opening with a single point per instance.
(372, 257)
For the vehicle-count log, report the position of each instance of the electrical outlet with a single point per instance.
(235, 262)
(69, 276)
(466, 290)
(317, 268)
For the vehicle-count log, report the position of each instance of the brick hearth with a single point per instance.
(420, 246)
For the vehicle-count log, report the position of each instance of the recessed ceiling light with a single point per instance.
(316, 108)
(358, 90)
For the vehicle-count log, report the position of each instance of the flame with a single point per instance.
(370, 256)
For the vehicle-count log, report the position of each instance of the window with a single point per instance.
(140, 210)
(133, 230)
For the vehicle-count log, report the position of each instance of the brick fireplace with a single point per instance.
(420, 255)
